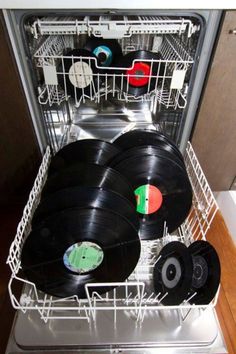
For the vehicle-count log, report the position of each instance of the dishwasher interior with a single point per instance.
(108, 108)
(130, 318)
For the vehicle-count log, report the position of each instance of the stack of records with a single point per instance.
(85, 228)
(155, 168)
(187, 273)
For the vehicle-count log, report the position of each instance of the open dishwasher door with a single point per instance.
(130, 319)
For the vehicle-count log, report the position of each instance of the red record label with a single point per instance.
(139, 74)
(149, 199)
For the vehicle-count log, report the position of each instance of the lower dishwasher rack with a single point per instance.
(128, 319)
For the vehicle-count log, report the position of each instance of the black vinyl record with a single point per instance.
(142, 73)
(80, 246)
(83, 197)
(89, 175)
(149, 150)
(173, 273)
(106, 50)
(206, 272)
(139, 137)
(87, 150)
(162, 188)
(78, 74)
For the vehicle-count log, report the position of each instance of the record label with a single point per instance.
(80, 74)
(200, 271)
(139, 74)
(104, 54)
(83, 257)
(81, 246)
(106, 50)
(206, 272)
(149, 199)
(171, 272)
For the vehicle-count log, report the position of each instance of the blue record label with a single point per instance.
(107, 53)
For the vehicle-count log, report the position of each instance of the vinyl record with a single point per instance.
(139, 137)
(141, 72)
(173, 273)
(89, 175)
(206, 272)
(83, 197)
(80, 246)
(162, 188)
(87, 150)
(78, 74)
(106, 50)
(148, 150)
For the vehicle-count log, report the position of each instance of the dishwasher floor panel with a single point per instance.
(159, 330)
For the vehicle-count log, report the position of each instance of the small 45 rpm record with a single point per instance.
(162, 188)
(89, 175)
(88, 150)
(141, 74)
(173, 273)
(78, 74)
(83, 197)
(106, 50)
(140, 137)
(206, 272)
(80, 246)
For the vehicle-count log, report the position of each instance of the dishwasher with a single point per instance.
(130, 318)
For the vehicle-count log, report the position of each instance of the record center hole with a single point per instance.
(149, 199)
(139, 72)
(198, 271)
(171, 272)
(102, 56)
(83, 257)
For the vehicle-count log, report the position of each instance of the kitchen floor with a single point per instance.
(218, 235)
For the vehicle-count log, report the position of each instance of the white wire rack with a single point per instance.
(135, 294)
(167, 86)
(109, 27)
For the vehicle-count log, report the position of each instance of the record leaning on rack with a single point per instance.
(173, 273)
(206, 272)
(87, 150)
(89, 175)
(149, 150)
(83, 197)
(80, 246)
(162, 188)
(141, 72)
(106, 50)
(139, 137)
(78, 73)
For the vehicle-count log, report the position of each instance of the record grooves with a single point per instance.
(141, 137)
(80, 246)
(87, 150)
(173, 273)
(206, 272)
(84, 197)
(162, 189)
(89, 175)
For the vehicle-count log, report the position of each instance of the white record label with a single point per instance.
(80, 74)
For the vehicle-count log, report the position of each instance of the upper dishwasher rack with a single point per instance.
(110, 27)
